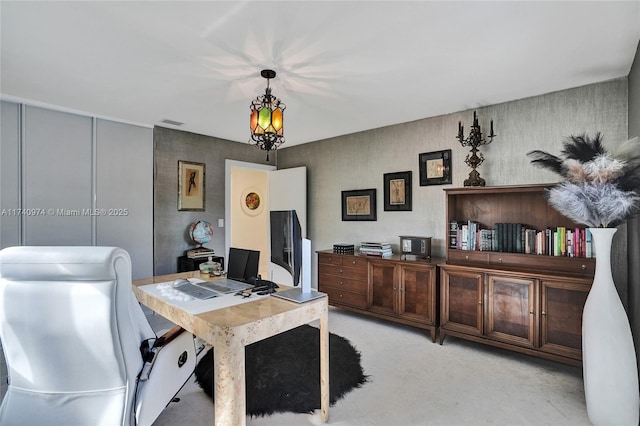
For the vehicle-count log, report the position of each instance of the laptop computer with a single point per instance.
(242, 272)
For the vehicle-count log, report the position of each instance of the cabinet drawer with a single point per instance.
(340, 297)
(468, 256)
(341, 283)
(345, 260)
(570, 265)
(329, 259)
(343, 271)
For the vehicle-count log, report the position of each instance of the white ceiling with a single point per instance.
(342, 66)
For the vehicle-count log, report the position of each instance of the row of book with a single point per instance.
(519, 238)
(375, 249)
(199, 252)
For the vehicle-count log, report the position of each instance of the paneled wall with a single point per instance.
(633, 253)
(72, 179)
(359, 160)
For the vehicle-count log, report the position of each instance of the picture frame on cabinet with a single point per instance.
(359, 205)
(435, 167)
(397, 191)
(191, 186)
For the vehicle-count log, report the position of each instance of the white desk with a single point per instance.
(232, 328)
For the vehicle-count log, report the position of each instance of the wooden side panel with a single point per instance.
(561, 316)
(511, 309)
(416, 293)
(461, 308)
(384, 287)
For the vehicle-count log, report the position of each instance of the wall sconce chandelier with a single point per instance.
(267, 118)
(476, 158)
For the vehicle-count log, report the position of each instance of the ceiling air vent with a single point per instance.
(171, 122)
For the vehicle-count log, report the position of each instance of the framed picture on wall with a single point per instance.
(435, 167)
(359, 204)
(251, 202)
(397, 191)
(191, 186)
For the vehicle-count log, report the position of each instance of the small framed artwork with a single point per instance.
(251, 202)
(397, 191)
(190, 186)
(435, 167)
(359, 204)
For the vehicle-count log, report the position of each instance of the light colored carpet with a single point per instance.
(416, 382)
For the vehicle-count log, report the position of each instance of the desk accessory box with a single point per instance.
(343, 248)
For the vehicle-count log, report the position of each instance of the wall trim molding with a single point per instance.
(39, 104)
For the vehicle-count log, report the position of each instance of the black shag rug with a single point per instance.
(283, 372)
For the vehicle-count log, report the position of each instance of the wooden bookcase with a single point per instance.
(524, 302)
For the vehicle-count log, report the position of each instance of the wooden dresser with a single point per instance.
(403, 291)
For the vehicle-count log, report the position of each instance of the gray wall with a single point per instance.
(358, 161)
(61, 168)
(634, 225)
(171, 238)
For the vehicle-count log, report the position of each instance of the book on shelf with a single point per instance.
(370, 252)
(514, 237)
(375, 245)
(376, 249)
(453, 234)
(199, 252)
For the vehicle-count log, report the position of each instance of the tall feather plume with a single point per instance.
(547, 161)
(600, 190)
(583, 148)
(629, 153)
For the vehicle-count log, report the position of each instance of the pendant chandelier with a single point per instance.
(267, 118)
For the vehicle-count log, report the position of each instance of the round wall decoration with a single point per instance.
(251, 201)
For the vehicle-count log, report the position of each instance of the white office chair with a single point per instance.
(72, 332)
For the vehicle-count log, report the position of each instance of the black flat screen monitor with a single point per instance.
(243, 265)
(286, 242)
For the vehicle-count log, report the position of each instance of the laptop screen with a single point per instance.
(243, 265)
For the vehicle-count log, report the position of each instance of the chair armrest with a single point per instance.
(169, 336)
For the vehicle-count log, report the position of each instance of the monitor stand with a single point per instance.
(304, 293)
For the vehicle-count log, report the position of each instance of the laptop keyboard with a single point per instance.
(196, 291)
(226, 286)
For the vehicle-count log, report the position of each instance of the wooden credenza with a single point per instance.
(403, 291)
(534, 313)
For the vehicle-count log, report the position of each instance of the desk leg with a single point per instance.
(324, 366)
(230, 394)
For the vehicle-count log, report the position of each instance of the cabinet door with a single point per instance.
(511, 309)
(561, 316)
(461, 306)
(383, 283)
(416, 293)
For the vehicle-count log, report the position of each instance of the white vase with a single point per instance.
(608, 356)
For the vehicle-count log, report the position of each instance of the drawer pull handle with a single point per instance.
(353, 261)
(479, 302)
(340, 282)
(340, 296)
(340, 270)
(499, 260)
(466, 257)
(531, 312)
(543, 313)
(583, 267)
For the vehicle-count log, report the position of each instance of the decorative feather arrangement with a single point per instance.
(600, 190)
